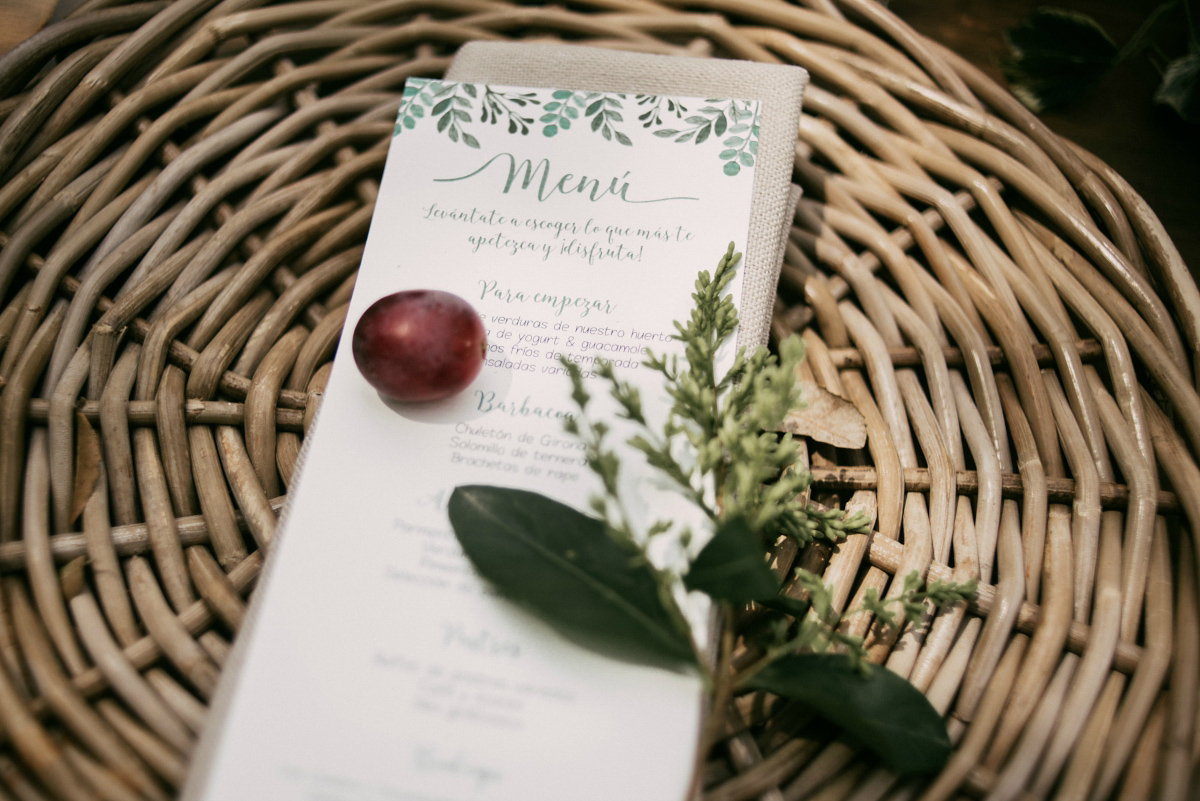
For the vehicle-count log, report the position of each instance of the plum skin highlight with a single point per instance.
(419, 345)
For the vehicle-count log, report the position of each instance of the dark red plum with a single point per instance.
(419, 345)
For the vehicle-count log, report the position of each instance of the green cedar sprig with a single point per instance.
(718, 448)
(735, 465)
(821, 630)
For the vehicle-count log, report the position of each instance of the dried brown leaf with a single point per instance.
(71, 576)
(826, 418)
(87, 464)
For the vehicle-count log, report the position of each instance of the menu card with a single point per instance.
(375, 664)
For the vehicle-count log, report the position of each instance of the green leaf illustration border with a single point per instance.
(456, 107)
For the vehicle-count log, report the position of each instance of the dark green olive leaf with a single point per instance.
(1180, 88)
(732, 566)
(879, 710)
(1056, 56)
(782, 603)
(564, 566)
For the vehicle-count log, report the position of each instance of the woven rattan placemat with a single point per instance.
(184, 192)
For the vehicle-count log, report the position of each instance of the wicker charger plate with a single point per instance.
(184, 193)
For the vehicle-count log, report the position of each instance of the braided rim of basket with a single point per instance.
(185, 192)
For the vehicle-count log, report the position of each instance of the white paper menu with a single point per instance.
(375, 665)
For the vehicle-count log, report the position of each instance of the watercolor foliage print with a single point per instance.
(464, 112)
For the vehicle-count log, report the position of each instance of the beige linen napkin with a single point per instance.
(779, 88)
